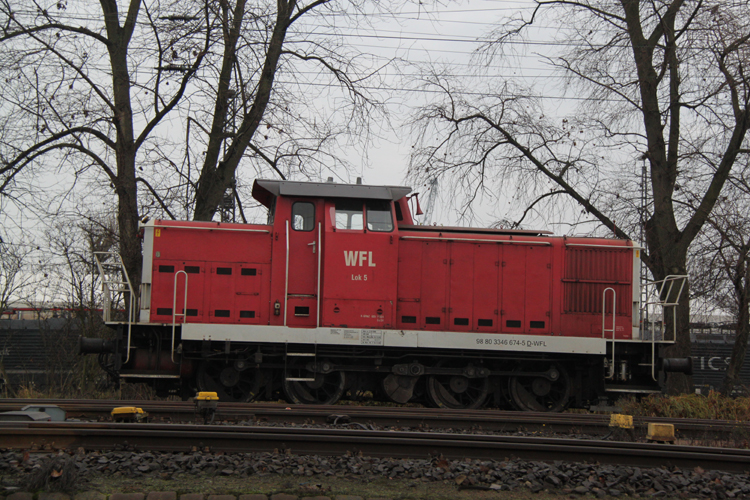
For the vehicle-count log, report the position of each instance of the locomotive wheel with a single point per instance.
(323, 389)
(228, 383)
(540, 393)
(456, 391)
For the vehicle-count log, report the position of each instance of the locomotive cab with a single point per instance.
(339, 262)
(360, 261)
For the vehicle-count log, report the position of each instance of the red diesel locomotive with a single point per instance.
(341, 295)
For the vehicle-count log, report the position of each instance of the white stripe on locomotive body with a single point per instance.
(394, 338)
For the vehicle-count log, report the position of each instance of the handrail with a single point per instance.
(216, 228)
(320, 253)
(614, 324)
(286, 273)
(611, 247)
(174, 308)
(662, 300)
(475, 240)
(107, 315)
(672, 279)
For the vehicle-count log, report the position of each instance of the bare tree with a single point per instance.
(71, 271)
(666, 81)
(11, 265)
(18, 272)
(82, 97)
(722, 256)
(96, 101)
(263, 49)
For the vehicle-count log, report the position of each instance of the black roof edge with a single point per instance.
(265, 190)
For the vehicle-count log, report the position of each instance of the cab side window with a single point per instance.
(379, 216)
(271, 211)
(303, 216)
(349, 214)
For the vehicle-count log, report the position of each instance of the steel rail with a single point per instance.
(331, 442)
(424, 418)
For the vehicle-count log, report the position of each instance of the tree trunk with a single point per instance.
(742, 332)
(125, 148)
(215, 179)
(127, 219)
(671, 260)
(680, 383)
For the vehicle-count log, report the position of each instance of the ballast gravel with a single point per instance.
(507, 475)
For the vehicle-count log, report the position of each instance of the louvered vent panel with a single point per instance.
(589, 271)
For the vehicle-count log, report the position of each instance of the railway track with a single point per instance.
(589, 425)
(72, 436)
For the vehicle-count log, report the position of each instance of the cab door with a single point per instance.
(360, 261)
(303, 237)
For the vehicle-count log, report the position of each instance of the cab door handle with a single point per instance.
(313, 245)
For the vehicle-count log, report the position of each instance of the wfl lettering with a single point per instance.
(352, 256)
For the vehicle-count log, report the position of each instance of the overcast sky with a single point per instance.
(448, 37)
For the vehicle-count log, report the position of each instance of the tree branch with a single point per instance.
(271, 161)
(156, 196)
(533, 203)
(305, 10)
(85, 130)
(52, 26)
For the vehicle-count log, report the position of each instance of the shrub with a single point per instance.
(713, 406)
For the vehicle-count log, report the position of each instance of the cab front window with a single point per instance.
(379, 216)
(349, 214)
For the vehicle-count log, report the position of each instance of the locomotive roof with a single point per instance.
(265, 190)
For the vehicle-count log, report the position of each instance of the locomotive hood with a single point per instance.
(266, 190)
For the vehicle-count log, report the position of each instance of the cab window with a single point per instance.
(271, 211)
(303, 216)
(379, 216)
(349, 214)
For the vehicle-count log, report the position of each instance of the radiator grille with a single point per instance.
(589, 271)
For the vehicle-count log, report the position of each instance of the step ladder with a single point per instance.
(299, 353)
(115, 285)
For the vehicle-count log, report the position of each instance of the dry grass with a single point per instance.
(378, 487)
(713, 406)
(138, 392)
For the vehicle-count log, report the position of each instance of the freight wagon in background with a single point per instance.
(36, 353)
(342, 295)
(712, 346)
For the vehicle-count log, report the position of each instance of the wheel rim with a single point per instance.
(324, 389)
(228, 383)
(455, 391)
(539, 393)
